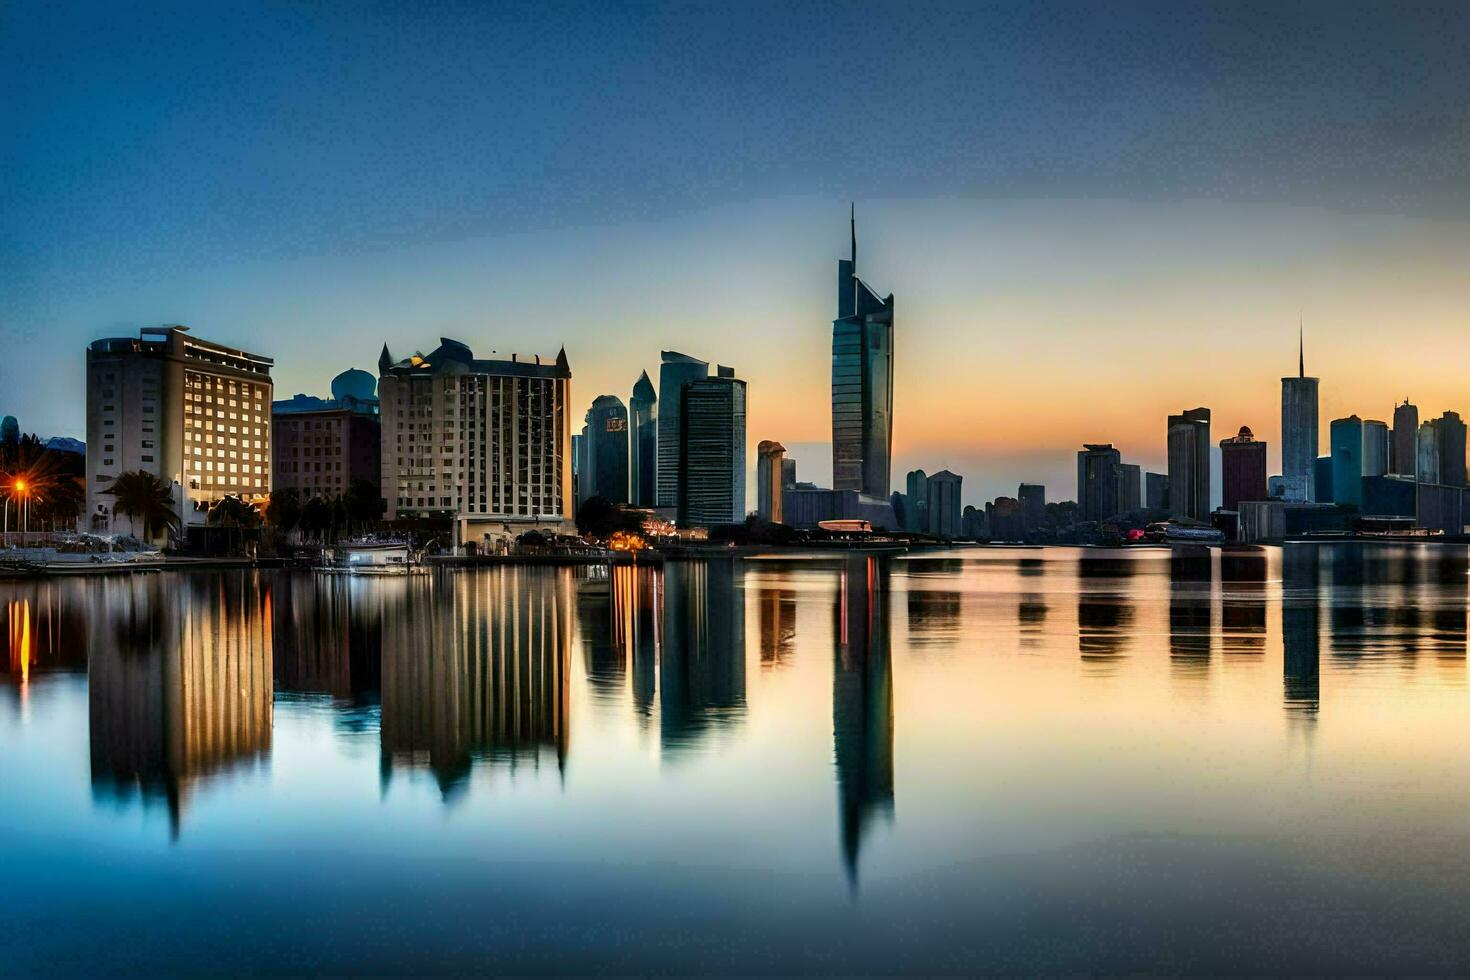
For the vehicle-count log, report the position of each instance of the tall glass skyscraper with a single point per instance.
(1299, 432)
(1189, 464)
(676, 371)
(643, 446)
(1347, 460)
(711, 486)
(862, 383)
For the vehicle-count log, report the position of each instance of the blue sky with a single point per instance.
(1036, 182)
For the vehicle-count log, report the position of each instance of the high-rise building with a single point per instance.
(862, 383)
(483, 443)
(1242, 469)
(769, 480)
(1130, 487)
(1451, 436)
(193, 413)
(1346, 437)
(788, 472)
(1189, 464)
(643, 444)
(1033, 505)
(1005, 519)
(1405, 439)
(1099, 472)
(975, 523)
(676, 371)
(916, 502)
(1426, 468)
(1156, 491)
(711, 466)
(1299, 431)
(321, 446)
(1322, 479)
(944, 510)
(605, 441)
(1377, 447)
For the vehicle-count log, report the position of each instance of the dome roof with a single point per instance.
(354, 383)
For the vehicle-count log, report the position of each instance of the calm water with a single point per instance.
(988, 760)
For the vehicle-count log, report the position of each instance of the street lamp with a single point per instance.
(23, 488)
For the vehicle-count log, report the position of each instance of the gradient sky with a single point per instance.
(1091, 214)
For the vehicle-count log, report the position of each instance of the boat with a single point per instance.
(382, 558)
(1175, 532)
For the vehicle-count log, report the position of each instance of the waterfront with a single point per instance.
(983, 760)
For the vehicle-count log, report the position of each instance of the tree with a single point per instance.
(146, 498)
(283, 510)
(54, 482)
(364, 503)
(316, 517)
(236, 516)
(599, 517)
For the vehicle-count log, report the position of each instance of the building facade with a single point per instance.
(485, 444)
(769, 480)
(1299, 433)
(643, 444)
(1155, 491)
(1377, 447)
(711, 465)
(674, 373)
(1426, 467)
(320, 446)
(945, 510)
(1346, 436)
(193, 413)
(606, 449)
(1189, 464)
(862, 384)
(1451, 445)
(1033, 505)
(1405, 439)
(1242, 469)
(1099, 478)
(1130, 487)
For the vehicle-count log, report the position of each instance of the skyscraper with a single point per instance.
(1130, 487)
(862, 383)
(1189, 464)
(769, 480)
(1099, 471)
(1033, 504)
(1299, 431)
(711, 468)
(916, 502)
(675, 371)
(643, 444)
(1155, 491)
(1426, 467)
(944, 508)
(1347, 461)
(607, 449)
(1242, 469)
(1451, 437)
(1377, 447)
(1406, 439)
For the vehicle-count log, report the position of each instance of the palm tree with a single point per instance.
(143, 496)
(283, 512)
(316, 517)
(235, 514)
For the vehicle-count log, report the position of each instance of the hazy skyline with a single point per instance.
(1091, 216)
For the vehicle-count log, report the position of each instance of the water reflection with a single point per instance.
(777, 624)
(1243, 601)
(474, 670)
(862, 703)
(933, 603)
(1104, 612)
(1301, 617)
(1191, 611)
(701, 675)
(637, 619)
(178, 686)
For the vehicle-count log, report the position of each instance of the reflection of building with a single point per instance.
(702, 668)
(479, 673)
(486, 443)
(933, 612)
(862, 384)
(321, 445)
(179, 685)
(1243, 602)
(1300, 629)
(327, 634)
(862, 703)
(1190, 613)
(1104, 614)
(188, 411)
(1189, 464)
(637, 621)
(777, 608)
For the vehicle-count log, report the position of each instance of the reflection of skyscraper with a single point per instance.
(636, 623)
(179, 687)
(1299, 432)
(478, 672)
(1300, 629)
(1104, 614)
(702, 667)
(777, 624)
(605, 660)
(1243, 602)
(862, 703)
(933, 602)
(862, 383)
(1191, 578)
(327, 634)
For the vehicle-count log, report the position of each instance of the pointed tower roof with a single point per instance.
(643, 389)
(561, 360)
(385, 361)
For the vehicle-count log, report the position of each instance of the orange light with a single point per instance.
(20, 486)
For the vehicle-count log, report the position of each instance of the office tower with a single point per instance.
(643, 444)
(769, 480)
(1322, 479)
(606, 449)
(1426, 469)
(193, 413)
(975, 523)
(484, 443)
(711, 463)
(788, 472)
(862, 383)
(676, 371)
(1377, 447)
(1033, 505)
(1406, 439)
(1189, 464)
(1156, 491)
(944, 509)
(1346, 437)
(1299, 431)
(1099, 471)
(1242, 469)
(1451, 436)
(1130, 487)
(916, 504)
(321, 446)
(1005, 519)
